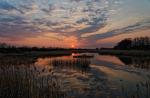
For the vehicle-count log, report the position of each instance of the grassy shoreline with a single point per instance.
(125, 52)
(69, 52)
(38, 53)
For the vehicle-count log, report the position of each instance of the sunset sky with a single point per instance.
(72, 23)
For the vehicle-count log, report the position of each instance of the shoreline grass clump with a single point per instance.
(82, 65)
(142, 90)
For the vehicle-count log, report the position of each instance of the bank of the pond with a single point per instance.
(125, 52)
(69, 52)
(38, 53)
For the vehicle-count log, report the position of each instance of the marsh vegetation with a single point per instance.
(64, 77)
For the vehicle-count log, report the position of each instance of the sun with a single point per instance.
(72, 46)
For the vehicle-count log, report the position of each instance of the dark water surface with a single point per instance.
(103, 76)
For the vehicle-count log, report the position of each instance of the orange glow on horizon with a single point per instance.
(46, 40)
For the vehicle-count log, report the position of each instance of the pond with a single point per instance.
(102, 76)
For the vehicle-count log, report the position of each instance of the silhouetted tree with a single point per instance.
(124, 44)
(139, 43)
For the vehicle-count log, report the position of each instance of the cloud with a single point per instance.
(137, 26)
(6, 6)
(81, 16)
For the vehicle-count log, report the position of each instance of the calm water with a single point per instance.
(66, 77)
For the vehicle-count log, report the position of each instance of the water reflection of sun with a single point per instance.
(73, 54)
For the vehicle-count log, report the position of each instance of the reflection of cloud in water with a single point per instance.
(111, 59)
(42, 62)
(119, 74)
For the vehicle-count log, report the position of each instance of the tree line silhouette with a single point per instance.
(139, 43)
(6, 48)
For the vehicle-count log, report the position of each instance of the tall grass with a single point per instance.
(81, 65)
(141, 90)
(24, 82)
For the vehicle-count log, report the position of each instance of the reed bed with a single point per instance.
(81, 65)
(142, 90)
(16, 60)
(24, 82)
